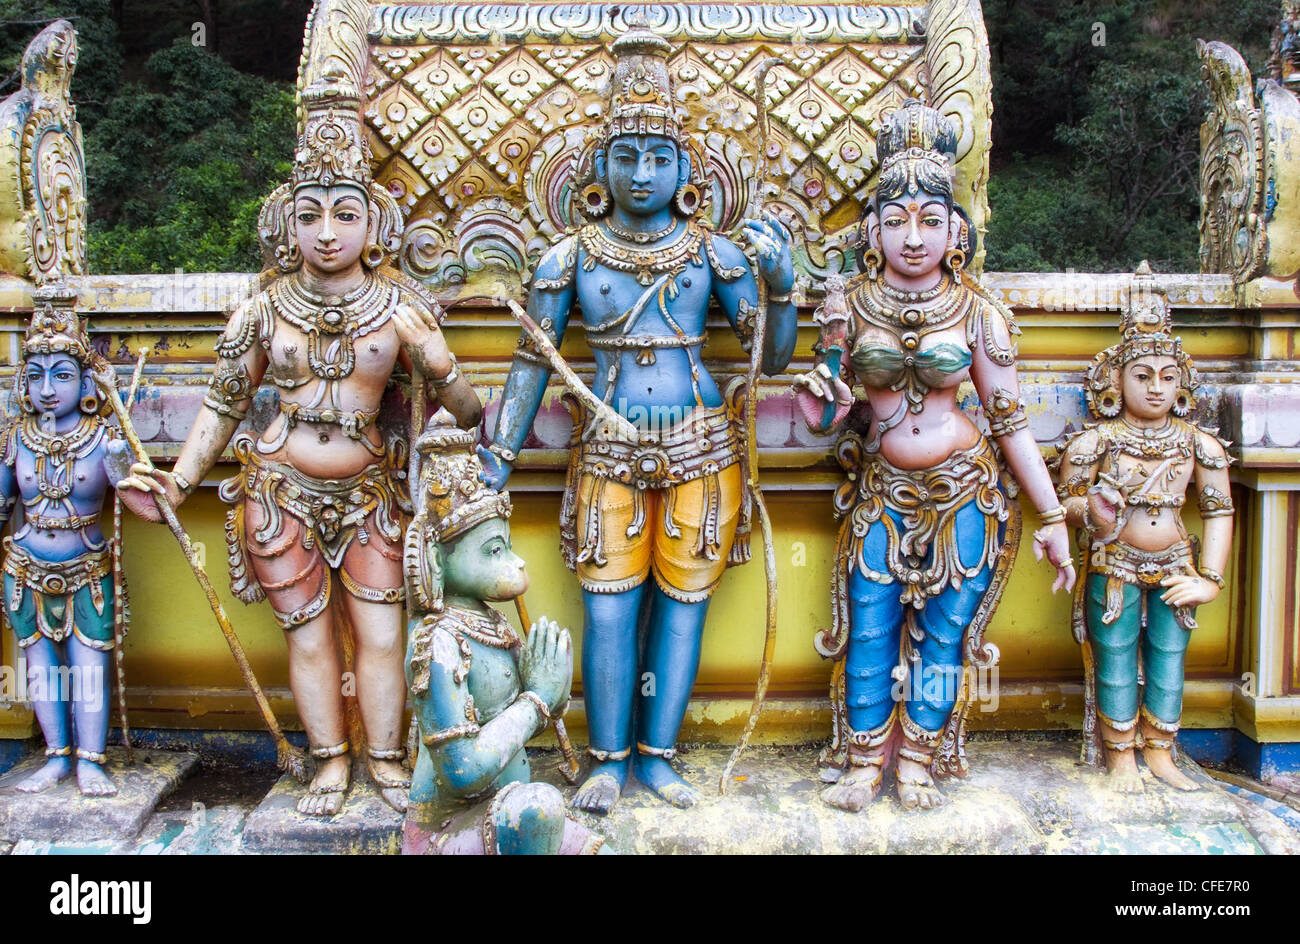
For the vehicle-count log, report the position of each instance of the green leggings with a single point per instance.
(1115, 649)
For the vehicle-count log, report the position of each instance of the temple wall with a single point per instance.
(179, 670)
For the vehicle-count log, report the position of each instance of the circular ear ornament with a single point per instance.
(956, 261)
(1184, 403)
(872, 260)
(27, 404)
(595, 199)
(1109, 403)
(688, 200)
(374, 255)
(90, 405)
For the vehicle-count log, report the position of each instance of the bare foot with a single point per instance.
(657, 774)
(916, 789)
(601, 790)
(55, 769)
(1161, 763)
(324, 797)
(1122, 771)
(92, 781)
(855, 790)
(393, 780)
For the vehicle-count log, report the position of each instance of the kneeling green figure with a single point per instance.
(480, 692)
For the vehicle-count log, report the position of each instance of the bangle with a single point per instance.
(449, 378)
(184, 484)
(502, 453)
(1053, 515)
(1213, 576)
(537, 703)
(779, 299)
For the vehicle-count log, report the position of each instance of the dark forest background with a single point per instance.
(1094, 164)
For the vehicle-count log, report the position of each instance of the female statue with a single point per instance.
(1124, 481)
(929, 533)
(58, 580)
(651, 519)
(317, 497)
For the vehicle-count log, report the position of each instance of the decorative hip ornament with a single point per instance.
(64, 596)
(653, 511)
(1124, 481)
(319, 498)
(928, 535)
(458, 558)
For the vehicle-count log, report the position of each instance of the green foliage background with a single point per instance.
(1095, 136)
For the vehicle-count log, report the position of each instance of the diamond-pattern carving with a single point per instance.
(477, 117)
(438, 79)
(397, 113)
(458, 125)
(518, 79)
(851, 80)
(809, 112)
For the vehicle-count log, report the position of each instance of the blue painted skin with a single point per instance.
(643, 173)
(56, 383)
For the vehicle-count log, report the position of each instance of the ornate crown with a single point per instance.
(455, 497)
(919, 138)
(1147, 329)
(332, 148)
(641, 92)
(55, 327)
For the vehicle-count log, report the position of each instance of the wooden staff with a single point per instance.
(119, 584)
(288, 757)
(751, 450)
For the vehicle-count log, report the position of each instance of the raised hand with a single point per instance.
(139, 482)
(546, 665)
(771, 242)
(419, 332)
(495, 469)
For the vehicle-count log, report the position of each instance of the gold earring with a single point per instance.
(595, 199)
(956, 260)
(688, 199)
(374, 255)
(1108, 404)
(872, 260)
(1184, 403)
(90, 405)
(27, 404)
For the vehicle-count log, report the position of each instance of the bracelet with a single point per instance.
(536, 702)
(502, 453)
(184, 484)
(449, 378)
(1213, 576)
(1053, 515)
(779, 299)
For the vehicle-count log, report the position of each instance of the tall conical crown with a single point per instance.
(332, 148)
(641, 92)
(1146, 323)
(451, 484)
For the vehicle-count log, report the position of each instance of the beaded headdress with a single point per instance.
(1147, 330)
(55, 327)
(451, 483)
(641, 92)
(332, 150)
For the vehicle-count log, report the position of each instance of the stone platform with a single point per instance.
(62, 816)
(1025, 796)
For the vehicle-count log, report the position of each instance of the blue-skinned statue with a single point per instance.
(479, 691)
(58, 566)
(669, 501)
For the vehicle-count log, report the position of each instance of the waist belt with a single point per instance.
(56, 578)
(704, 443)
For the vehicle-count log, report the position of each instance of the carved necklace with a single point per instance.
(641, 238)
(343, 319)
(645, 263)
(916, 320)
(1143, 442)
(57, 453)
(929, 294)
(490, 630)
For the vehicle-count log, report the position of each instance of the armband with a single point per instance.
(1214, 503)
(1006, 414)
(229, 386)
(449, 378)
